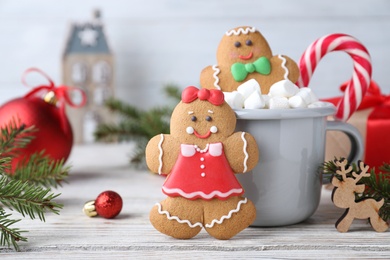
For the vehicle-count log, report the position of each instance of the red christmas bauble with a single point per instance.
(54, 133)
(108, 204)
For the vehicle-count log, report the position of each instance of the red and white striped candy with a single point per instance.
(361, 76)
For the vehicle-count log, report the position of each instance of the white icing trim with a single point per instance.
(286, 72)
(240, 30)
(210, 111)
(245, 152)
(161, 212)
(229, 215)
(201, 193)
(215, 76)
(160, 155)
(190, 112)
(202, 151)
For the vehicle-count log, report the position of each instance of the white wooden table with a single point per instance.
(96, 168)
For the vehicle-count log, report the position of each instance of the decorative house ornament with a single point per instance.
(344, 196)
(88, 63)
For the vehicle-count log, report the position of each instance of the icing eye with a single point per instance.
(193, 118)
(209, 118)
(248, 42)
(237, 44)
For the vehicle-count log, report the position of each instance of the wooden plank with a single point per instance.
(100, 167)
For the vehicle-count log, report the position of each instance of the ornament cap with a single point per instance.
(50, 98)
(89, 209)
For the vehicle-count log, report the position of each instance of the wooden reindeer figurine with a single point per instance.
(343, 196)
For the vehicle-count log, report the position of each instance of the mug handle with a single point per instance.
(357, 147)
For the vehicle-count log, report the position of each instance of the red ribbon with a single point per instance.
(192, 93)
(378, 124)
(61, 92)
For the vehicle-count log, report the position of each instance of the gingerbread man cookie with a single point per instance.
(200, 157)
(244, 54)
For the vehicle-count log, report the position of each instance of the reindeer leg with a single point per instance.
(378, 224)
(344, 222)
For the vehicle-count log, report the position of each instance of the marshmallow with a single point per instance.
(266, 99)
(318, 104)
(234, 99)
(283, 88)
(296, 102)
(308, 95)
(247, 88)
(278, 102)
(254, 101)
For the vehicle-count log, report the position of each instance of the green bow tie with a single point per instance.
(240, 70)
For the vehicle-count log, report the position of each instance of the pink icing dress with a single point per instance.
(204, 174)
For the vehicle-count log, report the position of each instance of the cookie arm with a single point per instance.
(242, 152)
(158, 159)
(208, 77)
(292, 67)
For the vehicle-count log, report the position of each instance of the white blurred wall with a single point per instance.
(169, 41)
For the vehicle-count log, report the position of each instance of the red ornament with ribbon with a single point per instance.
(44, 108)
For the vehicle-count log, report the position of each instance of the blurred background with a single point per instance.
(159, 42)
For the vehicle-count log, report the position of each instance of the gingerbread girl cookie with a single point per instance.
(200, 158)
(244, 54)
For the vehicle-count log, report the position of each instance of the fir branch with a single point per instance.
(155, 121)
(27, 199)
(137, 125)
(377, 184)
(173, 91)
(18, 191)
(123, 109)
(39, 169)
(138, 153)
(150, 123)
(10, 235)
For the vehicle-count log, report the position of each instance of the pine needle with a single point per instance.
(10, 236)
(39, 169)
(27, 199)
(14, 136)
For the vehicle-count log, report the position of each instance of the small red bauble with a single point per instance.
(108, 204)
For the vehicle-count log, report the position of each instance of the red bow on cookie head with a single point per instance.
(192, 93)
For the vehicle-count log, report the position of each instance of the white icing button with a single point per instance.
(213, 129)
(203, 174)
(202, 166)
(202, 159)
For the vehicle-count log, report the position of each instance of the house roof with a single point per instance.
(86, 38)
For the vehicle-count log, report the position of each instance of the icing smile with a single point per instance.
(190, 130)
(247, 57)
(202, 136)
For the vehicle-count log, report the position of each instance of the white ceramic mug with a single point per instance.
(286, 184)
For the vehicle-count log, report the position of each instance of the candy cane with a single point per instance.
(361, 76)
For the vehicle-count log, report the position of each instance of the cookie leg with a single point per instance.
(225, 218)
(177, 217)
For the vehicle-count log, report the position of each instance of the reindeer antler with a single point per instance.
(342, 171)
(363, 172)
